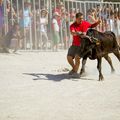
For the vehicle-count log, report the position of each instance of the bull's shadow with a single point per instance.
(43, 76)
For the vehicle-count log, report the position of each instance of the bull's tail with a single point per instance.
(116, 46)
(115, 41)
(117, 53)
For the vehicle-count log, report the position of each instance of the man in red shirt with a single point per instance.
(78, 26)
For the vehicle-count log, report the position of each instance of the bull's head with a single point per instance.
(92, 33)
(86, 47)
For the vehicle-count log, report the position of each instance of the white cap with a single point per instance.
(56, 14)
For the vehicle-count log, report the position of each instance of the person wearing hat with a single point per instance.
(59, 8)
(44, 13)
(43, 28)
(55, 26)
(27, 3)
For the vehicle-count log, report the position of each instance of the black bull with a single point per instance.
(100, 45)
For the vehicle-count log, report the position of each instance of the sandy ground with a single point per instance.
(36, 86)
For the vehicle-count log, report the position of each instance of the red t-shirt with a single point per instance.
(83, 27)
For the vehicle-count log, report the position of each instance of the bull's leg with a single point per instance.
(110, 62)
(99, 68)
(83, 65)
(117, 54)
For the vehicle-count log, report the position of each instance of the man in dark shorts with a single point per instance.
(78, 26)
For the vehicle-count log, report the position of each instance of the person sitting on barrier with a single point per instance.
(78, 26)
(12, 39)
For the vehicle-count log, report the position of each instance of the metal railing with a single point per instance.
(33, 38)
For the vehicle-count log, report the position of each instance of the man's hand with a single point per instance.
(96, 23)
(79, 33)
(99, 21)
(74, 33)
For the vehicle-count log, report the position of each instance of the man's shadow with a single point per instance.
(56, 78)
(43, 76)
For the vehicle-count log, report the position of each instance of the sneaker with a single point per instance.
(71, 72)
(6, 50)
(75, 75)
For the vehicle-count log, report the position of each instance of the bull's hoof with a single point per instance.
(113, 70)
(83, 74)
(82, 71)
(101, 78)
(5, 51)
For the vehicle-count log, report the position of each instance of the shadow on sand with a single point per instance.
(56, 78)
(42, 76)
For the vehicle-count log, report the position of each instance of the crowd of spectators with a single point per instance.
(43, 30)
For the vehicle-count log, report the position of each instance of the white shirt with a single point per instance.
(111, 24)
(55, 25)
(118, 26)
(43, 24)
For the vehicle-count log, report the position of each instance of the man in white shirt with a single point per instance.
(56, 37)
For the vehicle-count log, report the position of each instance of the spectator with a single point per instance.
(56, 37)
(59, 8)
(64, 30)
(111, 22)
(26, 15)
(11, 39)
(1, 18)
(72, 15)
(91, 18)
(117, 27)
(43, 28)
(11, 14)
(15, 37)
(25, 22)
(98, 11)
